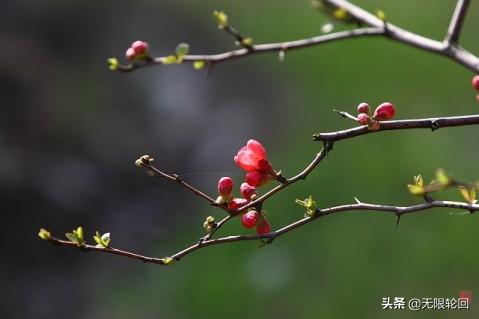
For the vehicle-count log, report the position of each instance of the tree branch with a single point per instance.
(265, 48)
(155, 172)
(376, 27)
(457, 22)
(397, 210)
(429, 123)
(300, 176)
(398, 34)
(328, 139)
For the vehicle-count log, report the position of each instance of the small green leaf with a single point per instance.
(171, 59)
(105, 238)
(247, 42)
(469, 195)
(221, 19)
(418, 180)
(418, 187)
(113, 64)
(168, 261)
(76, 236)
(310, 205)
(79, 233)
(416, 190)
(182, 50)
(97, 239)
(442, 177)
(341, 14)
(102, 240)
(44, 234)
(198, 65)
(300, 202)
(381, 15)
(72, 237)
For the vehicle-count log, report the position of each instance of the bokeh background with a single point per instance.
(70, 131)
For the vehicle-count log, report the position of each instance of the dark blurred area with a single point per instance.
(70, 131)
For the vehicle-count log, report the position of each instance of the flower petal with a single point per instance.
(246, 160)
(257, 148)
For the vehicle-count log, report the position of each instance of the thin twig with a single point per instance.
(377, 27)
(155, 172)
(346, 115)
(264, 48)
(457, 22)
(397, 210)
(239, 37)
(428, 123)
(458, 54)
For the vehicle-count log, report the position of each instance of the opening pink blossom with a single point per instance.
(252, 157)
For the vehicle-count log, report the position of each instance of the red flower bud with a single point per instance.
(475, 82)
(225, 186)
(140, 47)
(263, 227)
(257, 178)
(237, 203)
(363, 108)
(384, 111)
(363, 118)
(130, 54)
(247, 191)
(250, 219)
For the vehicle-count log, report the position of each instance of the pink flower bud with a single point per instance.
(263, 227)
(225, 186)
(250, 219)
(475, 82)
(363, 108)
(257, 178)
(130, 54)
(140, 47)
(247, 191)
(363, 118)
(384, 111)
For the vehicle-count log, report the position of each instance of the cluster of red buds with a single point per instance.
(385, 111)
(475, 85)
(259, 171)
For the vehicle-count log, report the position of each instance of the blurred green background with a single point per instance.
(70, 131)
